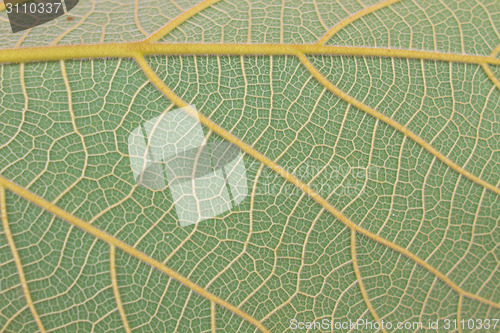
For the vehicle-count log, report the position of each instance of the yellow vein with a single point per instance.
(250, 230)
(129, 49)
(303, 264)
(173, 2)
(394, 125)
(85, 226)
(491, 75)
(17, 260)
(299, 184)
(179, 20)
(330, 33)
(184, 307)
(360, 281)
(488, 71)
(14, 316)
(212, 317)
(116, 291)
(495, 51)
(459, 315)
(69, 96)
(318, 14)
(136, 18)
(25, 107)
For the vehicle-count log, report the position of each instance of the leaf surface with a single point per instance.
(370, 137)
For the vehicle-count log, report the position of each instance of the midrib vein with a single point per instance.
(129, 49)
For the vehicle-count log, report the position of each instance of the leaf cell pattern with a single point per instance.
(370, 133)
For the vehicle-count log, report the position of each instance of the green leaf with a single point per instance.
(370, 138)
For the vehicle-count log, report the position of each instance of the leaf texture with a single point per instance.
(370, 132)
